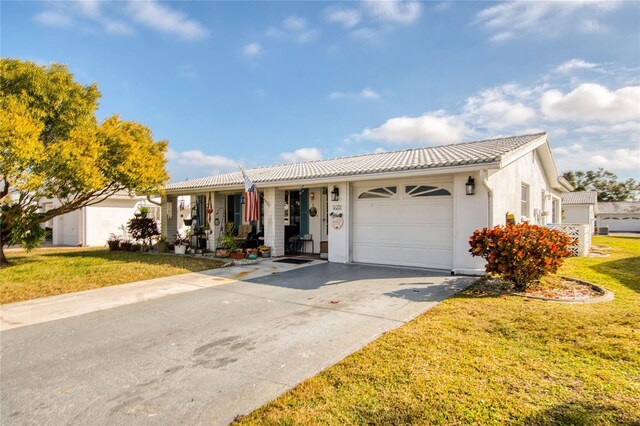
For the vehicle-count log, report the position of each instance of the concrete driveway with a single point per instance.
(205, 356)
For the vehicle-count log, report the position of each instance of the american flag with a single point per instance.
(251, 208)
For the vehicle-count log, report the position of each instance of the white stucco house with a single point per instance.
(90, 226)
(414, 207)
(580, 207)
(619, 217)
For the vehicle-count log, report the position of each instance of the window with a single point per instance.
(425, 191)
(386, 192)
(524, 200)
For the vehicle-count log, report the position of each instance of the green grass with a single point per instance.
(48, 272)
(479, 359)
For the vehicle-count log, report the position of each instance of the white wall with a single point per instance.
(576, 214)
(506, 185)
(106, 218)
(339, 238)
(470, 212)
(66, 229)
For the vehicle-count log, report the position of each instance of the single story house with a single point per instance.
(90, 226)
(622, 216)
(414, 207)
(580, 207)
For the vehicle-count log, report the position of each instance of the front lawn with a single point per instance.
(481, 359)
(47, 272)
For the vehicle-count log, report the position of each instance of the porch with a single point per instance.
(291, 219)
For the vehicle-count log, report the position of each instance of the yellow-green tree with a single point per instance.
(52, 146)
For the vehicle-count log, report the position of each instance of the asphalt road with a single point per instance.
(205, 356)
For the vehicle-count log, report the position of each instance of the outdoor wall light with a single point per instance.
(470, 186)
(242, 199)
(335, 194)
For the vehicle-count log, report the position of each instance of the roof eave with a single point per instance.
(343, 178)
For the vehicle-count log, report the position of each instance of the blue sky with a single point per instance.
(258, 83)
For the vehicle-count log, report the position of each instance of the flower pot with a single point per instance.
(181, 249)
(237, 255)
(188, 222)
(265, 253)
(113, 245)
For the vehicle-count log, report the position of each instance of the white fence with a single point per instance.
(579, 232)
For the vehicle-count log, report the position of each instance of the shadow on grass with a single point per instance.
(577, 413)
(626, 271)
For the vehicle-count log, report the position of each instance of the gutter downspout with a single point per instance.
(485, 183)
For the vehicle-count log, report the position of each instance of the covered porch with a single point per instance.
(291, 219)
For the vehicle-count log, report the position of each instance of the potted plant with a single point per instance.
(162, 244)
(125, 245)
(114, 242)
(180, 244)
(222, 253)
(226, 241)
(188, 222)
(265, 251)
(237, 254)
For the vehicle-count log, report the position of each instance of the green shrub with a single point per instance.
(522, 253)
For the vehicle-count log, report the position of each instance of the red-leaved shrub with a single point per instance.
(522, 253)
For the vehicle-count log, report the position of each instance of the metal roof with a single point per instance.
(621, 207)
(584, 197)
(462, 154)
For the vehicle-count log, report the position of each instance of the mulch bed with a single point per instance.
(558, 289)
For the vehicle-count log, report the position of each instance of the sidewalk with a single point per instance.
(45, 309)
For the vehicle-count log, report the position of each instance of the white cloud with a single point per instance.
(366, 93)
(54, 18)
(348, 18)
(502, 37)
(499, 107)
(251, 51)
(198, 158)
(393, 11)
(85, 14)
(578, 157)
(590, 101)
(546, 18)
(575, 64)
(369, 35)
(163, 18)
(294, 28)
(432, 128)
(302, 154)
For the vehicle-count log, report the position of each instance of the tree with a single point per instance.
(605, 182)
(52, 146)
(143, 229)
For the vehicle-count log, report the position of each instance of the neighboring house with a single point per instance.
(91, 225)
(408, 208)
(580, 207)
(622, 216)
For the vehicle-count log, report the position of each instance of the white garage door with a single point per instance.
(403, 224)
(620, 224)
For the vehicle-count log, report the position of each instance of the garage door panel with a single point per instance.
(441, 258)
(441, 235)
(404, 230)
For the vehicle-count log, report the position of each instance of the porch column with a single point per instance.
(274, 220)
(169, 216)
(218, 203)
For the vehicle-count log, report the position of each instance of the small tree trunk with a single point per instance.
(3, 259)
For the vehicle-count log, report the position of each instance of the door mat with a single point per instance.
(294, 261)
